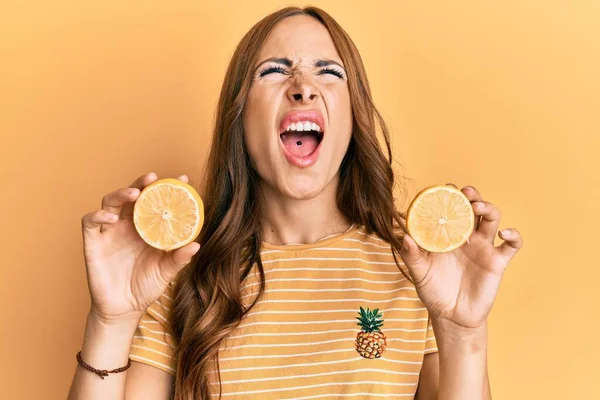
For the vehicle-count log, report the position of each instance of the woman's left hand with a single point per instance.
(460, 286)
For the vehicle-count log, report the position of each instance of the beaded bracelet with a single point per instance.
(101, 372)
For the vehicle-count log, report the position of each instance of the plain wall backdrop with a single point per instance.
(504, 96)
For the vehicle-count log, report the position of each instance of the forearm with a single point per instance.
(105, 346)
(463, 362)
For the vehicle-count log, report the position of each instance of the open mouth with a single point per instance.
(301, 139)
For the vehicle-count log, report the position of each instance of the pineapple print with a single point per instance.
(370, 341)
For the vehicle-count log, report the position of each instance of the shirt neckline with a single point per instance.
(327, 240)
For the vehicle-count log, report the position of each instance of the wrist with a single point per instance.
(123, 320)
(450, 335)
(106, 344)
(113, 327)
(462, 360)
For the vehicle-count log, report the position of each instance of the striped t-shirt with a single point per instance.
(299, 341)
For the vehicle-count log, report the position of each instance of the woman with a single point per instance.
(301, 237)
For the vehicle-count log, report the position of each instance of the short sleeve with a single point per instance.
(151, 343)
(430, 342)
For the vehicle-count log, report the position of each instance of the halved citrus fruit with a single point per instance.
(168, 214)
(440, 218)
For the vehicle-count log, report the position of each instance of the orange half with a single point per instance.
(168, 214)
(440, 218)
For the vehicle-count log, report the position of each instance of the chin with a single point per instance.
(304, 188)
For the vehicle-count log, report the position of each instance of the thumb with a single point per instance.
(414, 258)
(175, 260)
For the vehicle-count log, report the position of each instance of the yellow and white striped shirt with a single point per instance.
(299, 340)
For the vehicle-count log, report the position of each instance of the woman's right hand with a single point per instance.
(126, 275)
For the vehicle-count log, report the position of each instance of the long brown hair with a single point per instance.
(208, 303)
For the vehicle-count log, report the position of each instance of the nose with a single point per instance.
(302, 90)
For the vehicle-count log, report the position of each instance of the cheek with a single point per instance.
(341, 111)
(345, 107)
(259, 111)
(258, 119)
(255, 116)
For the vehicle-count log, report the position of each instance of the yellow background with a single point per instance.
(503, 95)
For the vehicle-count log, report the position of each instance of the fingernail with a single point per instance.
(505, 232)
(112, 217)
(479, 205)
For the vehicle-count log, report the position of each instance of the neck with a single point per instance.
(292, 221)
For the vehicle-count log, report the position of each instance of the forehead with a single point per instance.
(299, 37)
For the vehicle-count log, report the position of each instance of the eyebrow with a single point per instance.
(288, 63)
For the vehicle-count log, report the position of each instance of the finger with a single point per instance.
(114, 201)
(92, 222)
(415, 259)
(473, 195)
(513, 242)
(144, 180)
(175, 260)
(140, 183)
(184, 178)
(490, 219)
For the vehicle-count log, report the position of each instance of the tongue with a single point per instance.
(299, 144)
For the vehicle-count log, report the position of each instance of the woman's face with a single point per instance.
(298, 117)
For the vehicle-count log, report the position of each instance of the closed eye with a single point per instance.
(332, 71)
(272, 69)
(281, 70)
